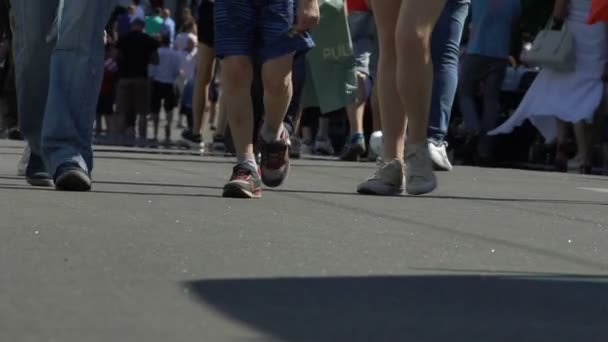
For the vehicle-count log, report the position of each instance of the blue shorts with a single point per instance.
(257, 28)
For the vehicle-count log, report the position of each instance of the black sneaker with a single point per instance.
(35, 172)
(355, 149)
(245, 182)
(70, 177)
(14, 134)
(192, 140)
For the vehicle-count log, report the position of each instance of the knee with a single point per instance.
(237, 73)
(414, 43)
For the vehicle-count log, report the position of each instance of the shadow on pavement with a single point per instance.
(336, 193)
(415, 308)
(109, 192)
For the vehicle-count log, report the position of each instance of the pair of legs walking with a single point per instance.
(59, 65)
(245, 31)
(405, 79)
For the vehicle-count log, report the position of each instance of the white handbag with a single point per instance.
(552, 49)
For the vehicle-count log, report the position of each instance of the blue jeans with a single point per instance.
(58, 68)
(445, 51)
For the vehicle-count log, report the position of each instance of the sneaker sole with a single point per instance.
(381, 191)
(354, 154)
(275, 183)
(439, 167)
(235, 191)
(423, 189)
(40, 182)
(73, 180)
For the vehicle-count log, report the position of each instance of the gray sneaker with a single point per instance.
(420, 177)
(388, 180)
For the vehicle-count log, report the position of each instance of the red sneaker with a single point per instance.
(274, 165)
(244, 183)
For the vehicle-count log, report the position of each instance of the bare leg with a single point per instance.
(356, 110)
(394, 119)
(222, 118)
(206, 58)
(377, 124)
(417, 20)
(278, 90)
(237, 76)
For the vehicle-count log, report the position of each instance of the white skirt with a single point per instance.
(573, 96)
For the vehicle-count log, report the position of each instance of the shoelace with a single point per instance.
(241, 174)
(274, 158)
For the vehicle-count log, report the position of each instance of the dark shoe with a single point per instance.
(245, 182)
(274, 163)
(191, 140)
(296, 148)
(561, 158)
(36, 174)
(355, 149)
(70, 177)
(585, 170)
(14, 134)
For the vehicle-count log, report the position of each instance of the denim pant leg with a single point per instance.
(445, 51)
(33, 20)
(75, 80)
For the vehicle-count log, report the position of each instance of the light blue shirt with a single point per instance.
(168, 28)
(169, 66)
(492, 26)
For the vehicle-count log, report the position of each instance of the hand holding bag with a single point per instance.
(553, 49)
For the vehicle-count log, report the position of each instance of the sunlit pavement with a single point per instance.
(154, 253)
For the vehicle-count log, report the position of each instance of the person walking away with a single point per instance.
(272, 31)
(486, 60)
(164, 91)
(186, 79)
(57, 86)
(204, 69)
(558, 98)
(365, 46)
(136, 51)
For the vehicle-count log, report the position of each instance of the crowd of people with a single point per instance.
(373, 80)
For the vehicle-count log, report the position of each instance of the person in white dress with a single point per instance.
(557, 99)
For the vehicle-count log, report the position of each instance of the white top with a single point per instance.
(188, 67)
(181, 40)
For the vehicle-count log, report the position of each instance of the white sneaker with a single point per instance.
(439, 155)
(388, 180)
(25, 159)
(420, 177)
(324, 147)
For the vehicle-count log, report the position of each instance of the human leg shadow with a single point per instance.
(415, 308)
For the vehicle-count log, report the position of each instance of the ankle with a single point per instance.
(271, 134)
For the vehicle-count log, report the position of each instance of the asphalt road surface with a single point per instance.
(155, 254)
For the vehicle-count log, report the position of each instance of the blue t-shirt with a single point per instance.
(492, 26)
